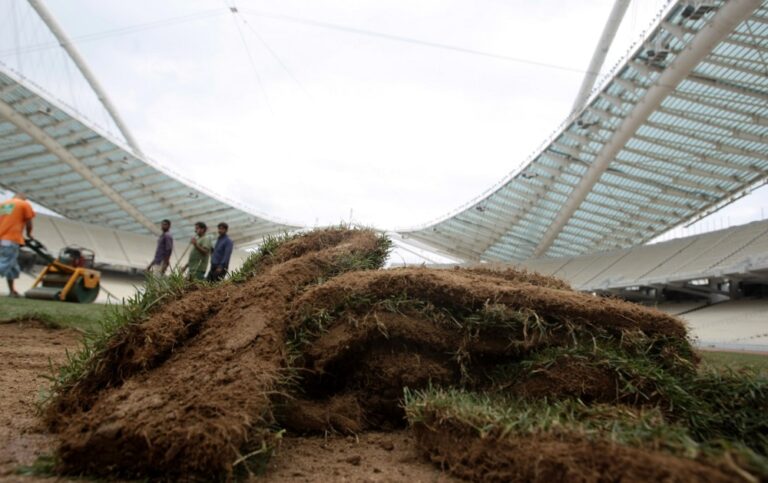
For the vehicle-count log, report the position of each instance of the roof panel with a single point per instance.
(94, 178)
(704, 145)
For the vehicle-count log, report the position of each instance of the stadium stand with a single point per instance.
(740, 252)
(717, 282)
(681, 307)
(737, 325)
(63, 162)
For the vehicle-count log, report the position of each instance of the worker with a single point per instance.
(221, 254)
(15, 215)
(163, 251)
(201, 245)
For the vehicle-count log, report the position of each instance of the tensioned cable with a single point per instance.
(408, 40)
(17, 47)
(296, 20)
(250, 56)
(269, 49)
(119, 31)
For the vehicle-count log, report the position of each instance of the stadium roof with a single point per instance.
(679, 130)
(71, 167)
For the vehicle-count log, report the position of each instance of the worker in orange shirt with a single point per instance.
(15, 215)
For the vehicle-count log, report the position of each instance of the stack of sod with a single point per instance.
(537, 348)
(194, 381)
(181, 386)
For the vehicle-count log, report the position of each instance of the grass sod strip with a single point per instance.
(713, 404)
(81, 364)
(359, 338)
(498, 438)
(114, 323)
(516, 331)
(233, 355)
(54, 314)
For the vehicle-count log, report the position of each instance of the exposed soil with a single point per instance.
(373, 456)
(25, 350)
(569, 378)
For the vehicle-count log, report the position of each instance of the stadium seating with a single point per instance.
(737, 324)
(714, 254)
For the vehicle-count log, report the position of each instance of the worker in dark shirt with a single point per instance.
(163, 251)
(222, 252)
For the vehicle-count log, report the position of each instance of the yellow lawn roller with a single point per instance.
(69, 278)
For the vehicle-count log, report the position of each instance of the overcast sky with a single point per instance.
(291, 108)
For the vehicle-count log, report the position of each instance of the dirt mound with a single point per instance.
(519, 276)
(33, 323)
(307, 339)
(187, 391)
(368, 335)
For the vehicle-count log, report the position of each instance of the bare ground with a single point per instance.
(25, 350)
(372, 456)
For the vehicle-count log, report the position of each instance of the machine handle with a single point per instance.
(37, 247)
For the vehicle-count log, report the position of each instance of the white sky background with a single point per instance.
(329, 122)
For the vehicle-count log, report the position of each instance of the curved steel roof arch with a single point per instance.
(68, 165)
(680, 129)
(50, 21)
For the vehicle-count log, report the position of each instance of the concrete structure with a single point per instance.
(722, 258)
(733, 325)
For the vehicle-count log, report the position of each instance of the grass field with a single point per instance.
(736, 360)
(55, 314)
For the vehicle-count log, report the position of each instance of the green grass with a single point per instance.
(42, 466)
(736, 360)
(498, 417)
(55, 314)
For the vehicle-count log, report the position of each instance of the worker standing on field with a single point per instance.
(221, 254)
(164, 249)
(15, 215)
(202, 245)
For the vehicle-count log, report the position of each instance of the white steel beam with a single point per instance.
(598, 57)
(721, 25)
(59, 151)
(69, 47)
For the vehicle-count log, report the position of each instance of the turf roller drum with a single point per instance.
(43, 293)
